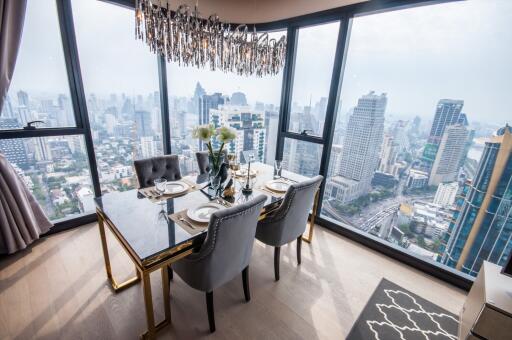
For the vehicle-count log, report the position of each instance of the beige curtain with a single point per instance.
(21, 218)
(12, 15)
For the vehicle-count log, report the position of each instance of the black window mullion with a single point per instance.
(164, 104)
(333, 100)
(67, 29)
(286, 89)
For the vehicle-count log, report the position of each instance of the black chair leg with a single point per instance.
(209, 308)
(277, 252)
(171, 272)
(299, 248)
(245, 281)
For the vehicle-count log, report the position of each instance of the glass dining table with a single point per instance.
(153, 240)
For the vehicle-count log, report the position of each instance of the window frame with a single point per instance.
(343, 14)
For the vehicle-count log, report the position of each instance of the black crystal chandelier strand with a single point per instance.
(187, 39)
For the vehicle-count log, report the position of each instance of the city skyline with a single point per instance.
(393, 74)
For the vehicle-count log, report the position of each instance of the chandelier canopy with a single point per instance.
(183, 37)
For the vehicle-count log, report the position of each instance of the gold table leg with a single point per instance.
(117, 287)
(312, 218)
(148, 301)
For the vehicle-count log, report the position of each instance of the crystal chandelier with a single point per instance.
(183, 37)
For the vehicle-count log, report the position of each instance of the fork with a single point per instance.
(181, 219)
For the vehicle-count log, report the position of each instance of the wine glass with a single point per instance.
(278, 167)
(160, 184)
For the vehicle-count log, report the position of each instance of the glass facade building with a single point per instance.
(483, 226)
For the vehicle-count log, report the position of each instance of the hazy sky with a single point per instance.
(460, 50)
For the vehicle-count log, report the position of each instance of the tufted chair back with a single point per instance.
(149, 169)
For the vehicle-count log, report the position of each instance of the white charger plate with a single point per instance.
(278, 185)
(203, 212)
(176, 187)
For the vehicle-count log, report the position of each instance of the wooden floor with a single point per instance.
(57, 289)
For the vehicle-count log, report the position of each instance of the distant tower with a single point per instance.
(448, 112)
(23, 98)
(206, 103)
(363, 139)
(143, 123)
(361, 148)
(449, 155)
(238, 99)
(483, 227)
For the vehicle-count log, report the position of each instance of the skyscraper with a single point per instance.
(388, 154)
(23, 98)
(13, 149)
(483, 227)
(206, 103)
(361, 148)
(143, 123)
(249, 126)
(449, 155)
(448, 112)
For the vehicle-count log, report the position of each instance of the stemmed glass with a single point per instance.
(278, 167)
(160, 185)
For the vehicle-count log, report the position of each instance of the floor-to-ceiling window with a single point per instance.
(310, 86)
(53, 162)
(249, 105)
(120, 77)
(424, 90)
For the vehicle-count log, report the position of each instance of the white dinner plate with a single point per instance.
(203, 212)
(278, 185)
(177, 187)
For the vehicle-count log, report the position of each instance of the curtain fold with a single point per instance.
(22, 219)
(12, 16)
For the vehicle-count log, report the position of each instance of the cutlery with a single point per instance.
(181, 219)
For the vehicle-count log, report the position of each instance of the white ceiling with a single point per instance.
(260, 11)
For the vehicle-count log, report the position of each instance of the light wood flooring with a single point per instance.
(57, 289)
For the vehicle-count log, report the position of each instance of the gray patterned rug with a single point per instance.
(395, 313)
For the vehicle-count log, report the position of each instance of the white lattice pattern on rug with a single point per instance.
(417, 310)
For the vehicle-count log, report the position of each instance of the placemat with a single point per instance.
(262, 187)
(152, 195)
(186, 223)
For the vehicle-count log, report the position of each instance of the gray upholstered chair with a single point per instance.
(204, 163)
(289, 221)
(225, 253)
(149, 169)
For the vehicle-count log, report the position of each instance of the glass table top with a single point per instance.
(145, 225)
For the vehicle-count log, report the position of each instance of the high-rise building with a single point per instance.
(483, 227)
(13, 149)
(148, 147)
(7, 111)
(271, 129)
(143, 123)
(388, 154)
(362, 143)
(399, 133)
(248, 124)
(23, 98)
(238, 99)
(206, 103)
(449, 156)
(335, 162)
(445, 194)
(448, 112)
